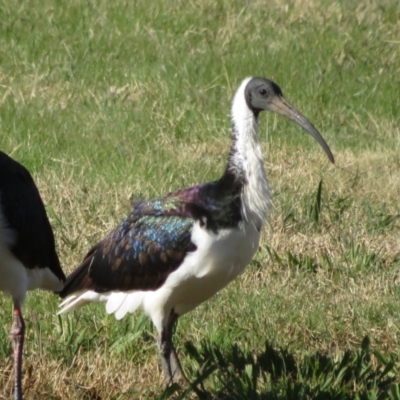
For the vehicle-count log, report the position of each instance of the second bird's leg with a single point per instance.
(17, 337)
(169, 359)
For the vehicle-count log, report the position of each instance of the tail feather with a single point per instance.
(78, 300)
(79, 289)
(130, 303)
(114, 302)
(78, 280)
(117, 303)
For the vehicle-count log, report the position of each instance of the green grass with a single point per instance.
(108, 101)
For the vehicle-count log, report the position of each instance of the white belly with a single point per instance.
(15, 279)
(218, 260)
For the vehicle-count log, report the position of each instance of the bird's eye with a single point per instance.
(263, 92)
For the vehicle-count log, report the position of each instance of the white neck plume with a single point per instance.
(246, 160)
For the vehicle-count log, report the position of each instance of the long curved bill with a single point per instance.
(280, 106)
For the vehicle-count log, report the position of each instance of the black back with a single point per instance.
(24, 213)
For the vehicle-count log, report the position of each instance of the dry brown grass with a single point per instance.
(343, 298)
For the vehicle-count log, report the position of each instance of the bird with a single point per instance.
(176, 251)
(28, 257)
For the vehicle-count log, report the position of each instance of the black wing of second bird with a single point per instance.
(24, 214)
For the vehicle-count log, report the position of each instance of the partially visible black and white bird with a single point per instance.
(28, 258)
(174, 252)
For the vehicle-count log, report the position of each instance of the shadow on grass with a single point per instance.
(280, 374)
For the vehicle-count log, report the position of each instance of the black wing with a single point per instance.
(24, 213)
(139, 254)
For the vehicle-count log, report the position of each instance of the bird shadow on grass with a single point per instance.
(280, 374)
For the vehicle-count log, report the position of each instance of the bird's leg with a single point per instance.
(176, 368)
(17, 337)
(169, 359)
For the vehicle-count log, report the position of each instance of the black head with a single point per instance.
(259, 92)
(263, 94)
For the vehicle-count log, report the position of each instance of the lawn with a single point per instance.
(108, 101)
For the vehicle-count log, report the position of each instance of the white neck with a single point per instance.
(246, 160)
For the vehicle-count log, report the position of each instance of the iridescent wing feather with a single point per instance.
(140, 253)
